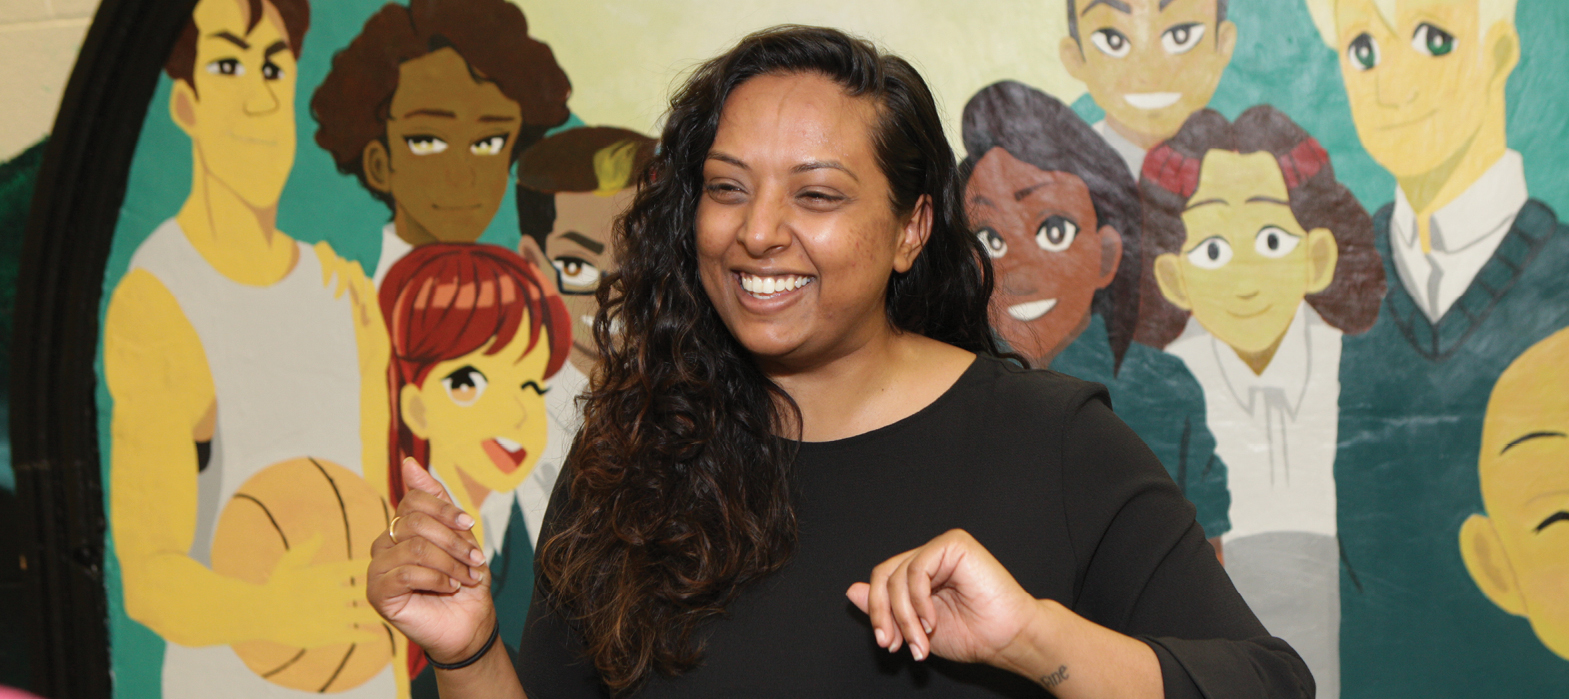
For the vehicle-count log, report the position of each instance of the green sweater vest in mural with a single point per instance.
(1413, 396)
(1156, 396)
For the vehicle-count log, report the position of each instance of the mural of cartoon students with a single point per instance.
(1518, 553)
(1148, 63)
(1481, 269)
(476, 333)
(571, 187)
(429, 106)
(229, 348)
(1060, 216)
(1263, 261)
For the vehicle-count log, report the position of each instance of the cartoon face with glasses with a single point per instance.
(571, 188)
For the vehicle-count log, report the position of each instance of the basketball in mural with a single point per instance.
(322, 513)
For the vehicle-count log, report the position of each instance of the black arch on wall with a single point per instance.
(54, 417)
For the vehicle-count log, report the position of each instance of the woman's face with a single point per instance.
(1049, 250)
(1246, 264)
(484, 414)
(796, 237)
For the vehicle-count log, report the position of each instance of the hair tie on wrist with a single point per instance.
(494, 632)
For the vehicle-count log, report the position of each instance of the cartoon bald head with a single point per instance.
(1518, 553)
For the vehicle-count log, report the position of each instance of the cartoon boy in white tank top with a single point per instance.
(228, 348)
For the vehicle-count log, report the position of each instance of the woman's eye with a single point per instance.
(1275, 242)
(725, 193)
(1211, 253)
(1111, 42)
(1431, 40)
(1182, 38)
(271, 71)
(995, 246)
(577, 274)
(815, 199)
(488, 146)
(1056, 234)
(425, 145)
(1362, 52)
(228, 66)
(464, 386)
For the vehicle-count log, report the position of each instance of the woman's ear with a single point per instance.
(913, 236)
(378, 169)
(411, 405)
(1110, 256)
(1168, 276)
(182, 106)
(1489, 566)
(1322, 256)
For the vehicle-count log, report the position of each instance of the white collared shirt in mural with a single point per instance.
(1131, 154)
(1464, 235)
(1276, 430)
(285, 370)
(393, 249)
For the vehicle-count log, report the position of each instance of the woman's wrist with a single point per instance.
(482, 643)
(1033, 653)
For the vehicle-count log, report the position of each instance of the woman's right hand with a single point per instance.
(429, 578)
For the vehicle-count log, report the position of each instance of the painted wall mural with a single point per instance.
(1309, 245)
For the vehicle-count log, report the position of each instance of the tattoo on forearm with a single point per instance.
(1055, 678)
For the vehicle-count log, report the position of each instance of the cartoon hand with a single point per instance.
(311, 605)
(430, 580)
(950, 598)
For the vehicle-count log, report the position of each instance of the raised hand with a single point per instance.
(429, 577)
(950, 598)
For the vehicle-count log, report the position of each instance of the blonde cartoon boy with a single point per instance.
(1148, 63)
(1518, 553)
(230, 347)
(1477, 272)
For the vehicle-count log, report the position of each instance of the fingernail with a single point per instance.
(453, 583)
(916, 653)
(882, 638)
(927, 625)
(476, 557)
(465, 521)
(409, 461)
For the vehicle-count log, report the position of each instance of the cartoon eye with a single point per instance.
(1111, 42)
(425, 145)
(1362, 52)
(271, 71)
(1275, 242)
(1056, 234)
(1554, 518)
(577, 274)
(226, 66)
(1182, 38)
(995, 246)
(488, 146)
(1431, 40)
(1212, 253)
(465, 385)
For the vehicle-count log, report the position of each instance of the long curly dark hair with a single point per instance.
(677, 492)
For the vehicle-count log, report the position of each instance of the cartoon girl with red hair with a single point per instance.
(476, 332)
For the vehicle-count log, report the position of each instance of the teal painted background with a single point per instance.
(1280, 60)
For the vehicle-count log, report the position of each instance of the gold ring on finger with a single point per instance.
(392, 529)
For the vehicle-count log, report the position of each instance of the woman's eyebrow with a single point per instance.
(823, 164)
(727, 158)
(1266, 200)
(1198, 204)
(1529, 437)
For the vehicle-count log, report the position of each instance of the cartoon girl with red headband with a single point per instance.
(1259, 262)
(476, 332)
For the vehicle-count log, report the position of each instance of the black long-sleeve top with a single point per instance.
(1034, 465)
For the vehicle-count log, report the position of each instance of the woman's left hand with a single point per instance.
(950, 598)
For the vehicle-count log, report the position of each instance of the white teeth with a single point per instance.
(508, 444)
(1152, 100)
(1032, 310)
(768, 286)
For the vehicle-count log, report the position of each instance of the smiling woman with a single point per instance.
(804, 384)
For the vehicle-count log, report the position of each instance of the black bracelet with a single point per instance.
(494, 632)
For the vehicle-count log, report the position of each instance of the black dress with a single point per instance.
(1034, 465)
